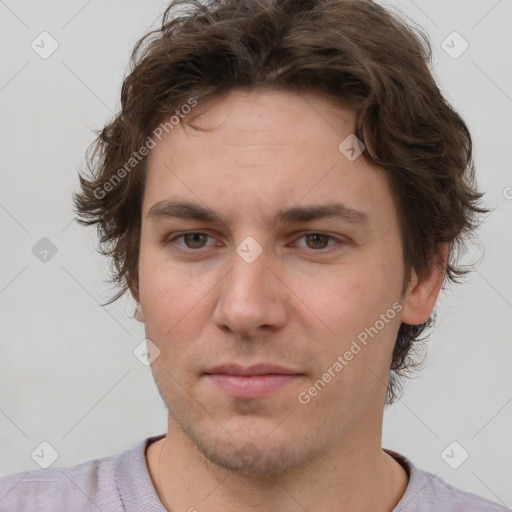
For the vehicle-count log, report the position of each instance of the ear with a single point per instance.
(139, 315)
(421, 295)
(134, 290)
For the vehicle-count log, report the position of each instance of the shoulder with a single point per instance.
(427, 492)
(440, 495)
(87, 486)
(463, 500)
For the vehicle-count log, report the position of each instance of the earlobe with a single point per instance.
(422, 294)
(139, 315)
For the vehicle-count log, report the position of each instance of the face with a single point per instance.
(274, 304)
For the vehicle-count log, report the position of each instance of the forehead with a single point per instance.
(257, 152)
(244, 118)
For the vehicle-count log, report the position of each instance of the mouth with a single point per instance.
(255, 381)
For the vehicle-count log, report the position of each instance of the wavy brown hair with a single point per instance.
(353, 51)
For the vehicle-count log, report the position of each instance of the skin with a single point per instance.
(299, 304)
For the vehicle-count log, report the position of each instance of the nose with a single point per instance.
(251, 299)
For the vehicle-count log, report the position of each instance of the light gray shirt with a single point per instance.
(122, 483)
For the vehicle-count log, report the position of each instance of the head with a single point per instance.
(235, 122)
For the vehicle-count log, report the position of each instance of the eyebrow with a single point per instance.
(193, 211)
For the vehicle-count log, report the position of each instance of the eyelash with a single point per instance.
(309, 233)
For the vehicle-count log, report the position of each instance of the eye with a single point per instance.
(193, 241)
(318, 241)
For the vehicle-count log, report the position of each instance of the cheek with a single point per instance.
(173, 302)
(351, 304)
(344, 300)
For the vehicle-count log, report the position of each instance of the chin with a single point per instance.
(253, 451)
(248, 437)
(253, 457)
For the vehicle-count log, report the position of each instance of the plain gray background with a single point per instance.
(68, 375)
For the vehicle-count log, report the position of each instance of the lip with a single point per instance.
(254, 381)
(255, 369)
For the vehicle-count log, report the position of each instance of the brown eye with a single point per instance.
(194, 240)
(317, 241)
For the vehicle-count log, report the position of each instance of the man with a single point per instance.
(281, 194)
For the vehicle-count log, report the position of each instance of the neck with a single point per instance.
(339, 480)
